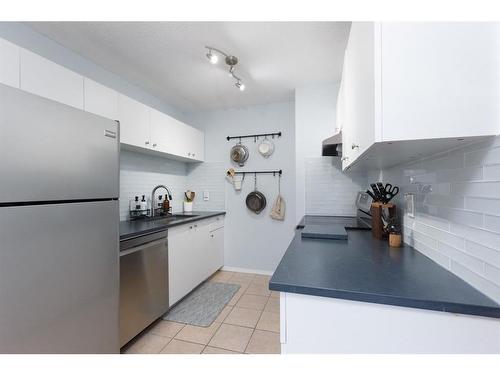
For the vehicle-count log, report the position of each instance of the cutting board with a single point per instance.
(330, 232)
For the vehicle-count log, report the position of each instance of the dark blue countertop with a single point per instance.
(368, 270)
(141, 227)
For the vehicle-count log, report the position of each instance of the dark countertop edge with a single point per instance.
(175, 223)
(449, 307)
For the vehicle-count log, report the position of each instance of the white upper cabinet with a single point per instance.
(134, 120)
(164, 132)
(175, 138)
(100, 100)
(50, 80)
(141, 127)
(412, 89)
(9, 63)
(440, 80)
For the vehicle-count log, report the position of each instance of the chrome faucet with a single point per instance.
(153, 197)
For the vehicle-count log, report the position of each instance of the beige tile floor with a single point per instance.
(248, 324)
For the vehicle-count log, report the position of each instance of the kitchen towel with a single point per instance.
(278, 210)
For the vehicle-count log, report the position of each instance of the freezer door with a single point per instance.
(51, 151)
(59, 278)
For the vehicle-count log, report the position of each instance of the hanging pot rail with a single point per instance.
(274, 173)
(254, 136)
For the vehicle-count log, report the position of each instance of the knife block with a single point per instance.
(377, 224)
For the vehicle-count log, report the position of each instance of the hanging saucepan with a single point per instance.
(239, 154)
(256, 201)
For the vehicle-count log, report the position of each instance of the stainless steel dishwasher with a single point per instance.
(143, 283)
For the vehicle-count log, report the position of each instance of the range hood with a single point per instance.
(333, 146)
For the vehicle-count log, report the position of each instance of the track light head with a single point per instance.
(240, 85)
(213, 58)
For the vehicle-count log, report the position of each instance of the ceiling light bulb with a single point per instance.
(212, 57)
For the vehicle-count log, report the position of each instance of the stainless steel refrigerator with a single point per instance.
(59, 257)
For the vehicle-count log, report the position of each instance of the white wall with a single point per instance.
(254, 242)
(457, 200)
(321, 187)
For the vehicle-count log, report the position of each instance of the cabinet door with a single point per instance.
(134, 122)
(9, 63)
(182, 262)
(197, 144)
(50, 80)
(360, 88)
(216, 248)
(165, 133)
(440, 80)
(100, 100)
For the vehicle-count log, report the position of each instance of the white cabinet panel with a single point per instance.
(9, 63)
(216, 250)
(165, 133)
(134, 122)
(181, 259)
(197, 144)
(196, 251)
(100, 99)
(440, 80)
(50, 80)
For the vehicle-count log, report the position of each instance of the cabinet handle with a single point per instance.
(154, 144)
(354, 146)
(190, 227)
(146, 143)
(196, 225)
(193, 154)
(212, 235)
(345, 158)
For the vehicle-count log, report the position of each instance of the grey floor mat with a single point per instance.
(203, 305)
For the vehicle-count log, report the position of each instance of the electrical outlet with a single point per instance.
(206, 195)
(410, 204)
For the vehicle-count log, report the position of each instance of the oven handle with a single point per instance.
(143, 247)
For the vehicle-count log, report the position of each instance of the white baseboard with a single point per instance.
(246, 270)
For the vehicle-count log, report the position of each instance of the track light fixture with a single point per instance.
(230, 60)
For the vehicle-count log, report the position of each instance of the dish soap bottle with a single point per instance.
(166, 205)
(134, 204)
(144, 204)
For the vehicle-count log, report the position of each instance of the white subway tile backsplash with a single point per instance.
(477, 189)
(485, 205)
(479, 282)
(492, 172)
(483, 237)
(487, 254)
(484, 156)
(329, 191)
(140, 173)
(492, 223)
(466, 260)
(492, 273)
(457, 202)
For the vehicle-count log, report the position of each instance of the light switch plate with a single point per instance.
(206, 195)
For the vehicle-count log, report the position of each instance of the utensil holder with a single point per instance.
(377, 224)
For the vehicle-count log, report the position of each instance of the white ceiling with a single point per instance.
(168, 59)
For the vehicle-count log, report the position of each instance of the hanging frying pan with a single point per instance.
(256, 201)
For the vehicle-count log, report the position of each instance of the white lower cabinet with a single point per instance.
(195, 251)
(322, 325)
